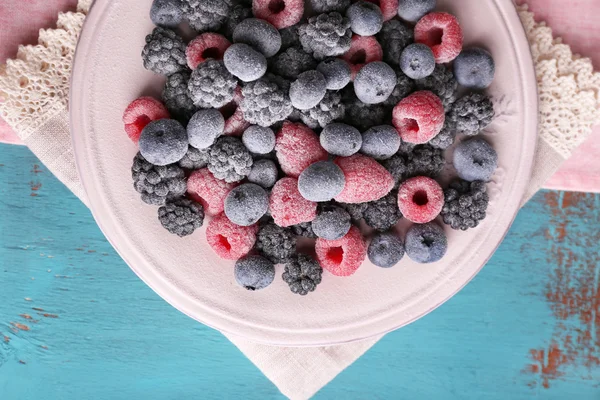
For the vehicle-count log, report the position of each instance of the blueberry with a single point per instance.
(205, 127)
(245, 63)
(417, 61)
(254, 272)
(259, 139)
(475, 160)
(259, 34)
(375, 82)
(385, 250)
(263, 173)
(474, 68)
(246, 204)
(332, 223)
(426, 243)
(163, 142)
(341, 139)
(336, 72)
(414, 10)
(321, 181)
(308, 90)
(365, 18)
(380, 142)
(166, 13)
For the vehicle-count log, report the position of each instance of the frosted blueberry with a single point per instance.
(380, 142)
(254, 272)
(475, 160)
(414, 10)
(166, 13)
(365, 18)
(385, 250)
(246, 204)
(336, 72)
(259, 139)
(263, 173)
(331, 223)
(245, 63)
(426, 243)
(205, 127)
(321, 181)
(163, 142)
(375, 82)
(308, 90)
(259, 34)
(341, 139)
(474, 68)
(417, 61)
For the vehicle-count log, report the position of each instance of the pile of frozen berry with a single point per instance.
(282, 121)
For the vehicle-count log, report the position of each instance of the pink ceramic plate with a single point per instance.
(108, 75)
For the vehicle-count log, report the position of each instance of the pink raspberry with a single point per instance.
(207, 45)
(442, 33)
(363, 50)
(297, 147)
(419, 117)
(228, 240)
(389, 8)
(279, 13)
(140, 113)
(420, 199)
(235, 124)
(366, 179)
(287, 206)
(209, 191)
(342, 257)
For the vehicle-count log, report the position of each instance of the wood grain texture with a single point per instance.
(76, 323)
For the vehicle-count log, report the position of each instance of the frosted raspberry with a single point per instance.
(389, 8)
(363, 50)
(287, 206)
(140, 113)
(235, 124)
(204, 188)
(442, 33)
(207, 45)
(419, 117)
(280, 13)
(296, 147)
(228, 240)
(366, 179)
(420, 199)
(344, 256)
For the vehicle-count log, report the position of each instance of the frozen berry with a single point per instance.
(276, 243)
(235, 124)
(446, 137)
(297, 146)
(419, 117)
(397, 166)
(209, 191)
(383, 214)
(246, 204)
(472, 113)
(442, 33)
(404, 87)
(164, 52)
(385, 250)
(417, 61)
(426, 243)
(211, 85)
(181, 217)
(240, 11)
(176, 97)
(287, 206)
(289, 37)
(157, 184)
(245, 63)
(292, 62)
(394, 37)
(336, 72)
(442, 83)
(321, 181)
(280, 13)
(329, 109)
(414, 10)
(475, 160)
(263, 173)
(166, 13)
(265, 102)
(323, 6)
(363, 50)
(361, 115)
(308, 90)
(163, 142)
(204, 15)
(194, 159)
(366, 179)
(425, 160)
(304, 230)
(229, 159)
(228, 240)
(374, 82)
(205, 46)
(254, 272)
(259, 139)
(302, 274)
(420, 199)
(259, 34)
(474, 68)
(326, 35)
(365, 18)
(466, 204)
(341, 139)
(380, 142)
(140, 113)
(332, 223)
(344, 256)
(205, 127)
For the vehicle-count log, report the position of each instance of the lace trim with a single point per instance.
(568, 87)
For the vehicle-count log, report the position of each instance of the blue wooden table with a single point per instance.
(76, 323)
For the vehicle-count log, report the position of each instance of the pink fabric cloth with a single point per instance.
(573, 20)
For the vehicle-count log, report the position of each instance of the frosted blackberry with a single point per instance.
(474, 68)
(397, 165)
(380, 142)
(304, 230)
(206, 15)
(417, 61)
(237, 14)
(254, 272)
(361, 115)
(289, 37)
(465, 204)
(329, 109)
(425, 160)
(383, 214)
(245, 63)
(356, 211)
(302, 274)
(365, 18)
(326, 35)
(211, 85)
(385, 250)
(323, 6)
(181, 217)
(336, 72)
(276, 243)
(166, 13)
(194, 159)
(259, 139)
(263, 173)
(394, 37)
(404, 87)
(414, 10)
(246, 204)
(375, 82)
(332, 223)
(475, 160)
(472, 113)
(176, 97)
(442, 83)
(205, 127)
(163, 142)
(341, 139)
(426, 243)
(308, 90)
(321, 181)
(229, 160)
(292, 62)
(446, 137)
(157, 184)
(265, 102)
(259, 34)
(164, 52)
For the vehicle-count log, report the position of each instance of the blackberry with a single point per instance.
(211, 85)
(303, 230)
(265, 102)
(276, 243)
(326, 35)
(383, 214)
(363, 116)
(394, 37)
(322, 6)
(206, 15)
(164, 52)
(289, 37)
(465, 204)
(404, 87)
(157, 184)
(425, 160)
(237, 14)
(356, 211)
(292, 62)
(446, 137)
(194, 158)
(176, 97)
(328, 110)
(302, 274)
(229, 160)
(181, 217)
(472, 113)
(442, 83)
(397, 165)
